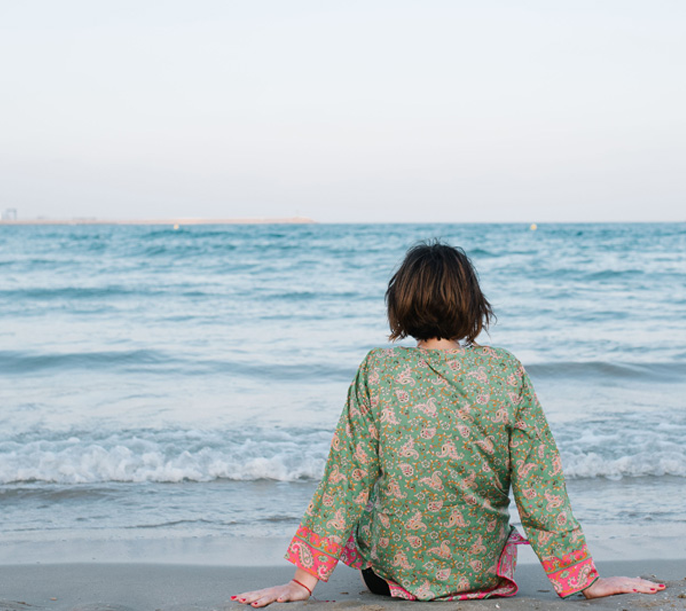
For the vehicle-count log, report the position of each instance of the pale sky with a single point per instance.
(346, 110)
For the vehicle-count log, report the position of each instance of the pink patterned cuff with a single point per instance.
(314, 554)
(571, 573)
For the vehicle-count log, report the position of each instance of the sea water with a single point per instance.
(168, 383)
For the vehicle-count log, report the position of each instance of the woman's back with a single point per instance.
(446, 416)
(432, 435)
(440, 518)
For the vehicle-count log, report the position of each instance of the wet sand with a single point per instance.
(101, 586)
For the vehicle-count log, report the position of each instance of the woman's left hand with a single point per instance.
(609, 586)
(288, 592)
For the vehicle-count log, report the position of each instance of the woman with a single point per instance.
(432, 438)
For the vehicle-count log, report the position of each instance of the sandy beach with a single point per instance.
(174, 587)
(101, 586)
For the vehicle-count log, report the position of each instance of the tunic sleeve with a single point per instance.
(349, 477)
(541, 497)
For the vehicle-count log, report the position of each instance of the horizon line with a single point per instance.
(299, 220)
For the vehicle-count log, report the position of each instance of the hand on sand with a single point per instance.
(607, 586)
(288, 592)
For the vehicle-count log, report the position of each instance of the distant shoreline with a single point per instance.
(293, 220)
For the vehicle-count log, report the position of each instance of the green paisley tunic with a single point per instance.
(417, 481)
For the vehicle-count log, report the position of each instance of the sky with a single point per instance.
(344, 111)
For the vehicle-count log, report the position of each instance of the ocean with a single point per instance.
(174, 383)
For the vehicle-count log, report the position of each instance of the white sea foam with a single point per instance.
(201, 456)
(163, 457)
(588, 465)
(625, 445)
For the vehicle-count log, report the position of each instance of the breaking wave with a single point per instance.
(278, 455)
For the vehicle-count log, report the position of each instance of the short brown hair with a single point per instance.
(436, 293)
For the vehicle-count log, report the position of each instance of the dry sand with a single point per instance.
(174, 587)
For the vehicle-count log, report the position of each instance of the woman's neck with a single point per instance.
(437, 344)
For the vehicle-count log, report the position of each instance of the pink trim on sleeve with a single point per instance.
(572, 572)
(314, 554)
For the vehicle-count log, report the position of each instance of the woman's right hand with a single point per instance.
(608, 586)
(288, 592)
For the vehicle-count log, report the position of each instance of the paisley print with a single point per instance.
(429, 513)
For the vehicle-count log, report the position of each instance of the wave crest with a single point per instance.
(284, 455)
(169, 457)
